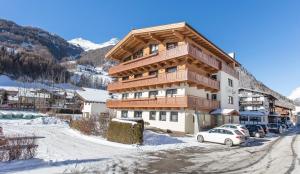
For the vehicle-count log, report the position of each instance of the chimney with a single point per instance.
(232, 55)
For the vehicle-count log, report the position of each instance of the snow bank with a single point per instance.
(152, 138)
(46, 120)
(124, 121)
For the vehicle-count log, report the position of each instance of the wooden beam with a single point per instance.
(179, 35)
(126, 50)
(156, 38)
(140, 40)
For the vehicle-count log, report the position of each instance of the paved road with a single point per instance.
(260, 157)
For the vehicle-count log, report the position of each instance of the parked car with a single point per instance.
(225, 136)
(256, 130)
(275, 128)
(239, 127)
(265, 127)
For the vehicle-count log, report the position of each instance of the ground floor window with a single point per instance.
(124, 114)
(162, 116)
(243, 118)
(152, 115)
(255, 119)
(174, 117)
(138, 114)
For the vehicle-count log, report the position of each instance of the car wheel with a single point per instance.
(228, 142)
(200, 138)
(257, 135)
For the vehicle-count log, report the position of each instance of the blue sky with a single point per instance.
(264, 34)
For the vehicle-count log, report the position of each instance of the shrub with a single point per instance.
(86, 126)
(125, 132)
(17, 148)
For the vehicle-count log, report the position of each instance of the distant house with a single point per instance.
(94, 101)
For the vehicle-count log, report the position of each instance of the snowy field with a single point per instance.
(65, 150)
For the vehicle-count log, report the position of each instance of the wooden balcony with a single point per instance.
(229, 70)
(180, 51)
(187, 102)
(166, 78)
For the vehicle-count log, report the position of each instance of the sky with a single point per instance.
(264, 34)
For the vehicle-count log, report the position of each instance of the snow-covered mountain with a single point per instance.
(88, 45)
(295, 94)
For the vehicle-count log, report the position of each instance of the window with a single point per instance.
(162, 116)
(214, 77)
(138, 95)
(171, 45)
(124, 114)
(230, 100)
(138, 75)
(138, 114)
(171, 69)
(255, 119)
(255, 108)
(171, 92)
(151, 73)
(124, 96)
(214, 96)
(207, 96)
(152, 115)
(138, 54)
(174, 117)
(153, 48)
(125, 78)
(230, 82)
(255, 99)
(153, 94)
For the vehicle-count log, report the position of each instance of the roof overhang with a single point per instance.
(159, 33)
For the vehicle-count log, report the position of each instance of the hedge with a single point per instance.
(126, 133)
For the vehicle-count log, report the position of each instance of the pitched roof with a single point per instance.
(93, 95)
(181, 29)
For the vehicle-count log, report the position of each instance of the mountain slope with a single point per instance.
(36, 41)
(87, 45)
(248, 81)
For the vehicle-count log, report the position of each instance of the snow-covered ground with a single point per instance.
(64, 149)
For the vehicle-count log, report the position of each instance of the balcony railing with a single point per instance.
(166, 78)
(188, 102)
(182, 50)
(251, 102)
(229, 70)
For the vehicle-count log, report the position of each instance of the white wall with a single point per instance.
(226, 90)
(179, 126)
(94, 108)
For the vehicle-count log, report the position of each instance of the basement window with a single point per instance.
(152, 115)
(162, 116)
(124, 114)
(174, 117)
(138, 114)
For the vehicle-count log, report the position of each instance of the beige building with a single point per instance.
(174, 78)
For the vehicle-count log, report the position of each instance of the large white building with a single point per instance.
(173, 78)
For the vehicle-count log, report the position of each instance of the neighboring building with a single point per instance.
(174, 78)
(94, 101)
(256, 107)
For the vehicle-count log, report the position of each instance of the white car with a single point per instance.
(225, 136)
(239, 127)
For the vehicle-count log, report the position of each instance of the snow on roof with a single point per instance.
(253, 113)
(220, 111)
(93, 95)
